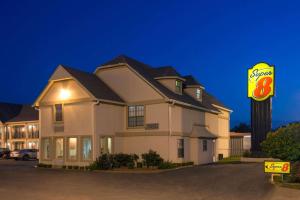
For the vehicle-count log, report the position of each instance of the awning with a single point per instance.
(200, 131)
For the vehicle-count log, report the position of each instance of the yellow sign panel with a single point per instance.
(277, 167)
(261, 82)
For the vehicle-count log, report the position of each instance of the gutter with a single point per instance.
(190, 105)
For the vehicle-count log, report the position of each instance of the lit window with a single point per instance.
(58, 112)
(33, 145)
(198, 94)
(87, 148)
(105, 145)
(33, 131)
(180, 148)
(178, 86)
(72, 148)
(204, 143)
(135, 116)
(59, 148)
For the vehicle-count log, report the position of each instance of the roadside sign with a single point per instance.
(261, 82)
(277, 167)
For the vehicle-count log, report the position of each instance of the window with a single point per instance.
(105, 145)
(180, 148)
(72, 143)
(58, 112)
(135, 116)
(86, 148)
(204, 143)
(178, 86)
(198, 94)
(18, 145)
(59, 148)
(46, 148)
(33, 131)
(32, 145)
(18, 132)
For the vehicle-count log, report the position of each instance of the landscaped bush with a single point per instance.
(124, 160)
(110, 161)
(167, 165)
(284, 143)
(152, 159)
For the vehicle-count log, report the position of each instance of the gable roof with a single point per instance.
(27, 113)
(94, 85)
(10, 112)
(149, 73)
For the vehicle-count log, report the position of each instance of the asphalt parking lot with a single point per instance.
(20, 180)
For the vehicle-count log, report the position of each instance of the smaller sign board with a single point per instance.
(277, 167)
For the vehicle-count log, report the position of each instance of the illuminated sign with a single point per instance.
(261, 82)
(277, 167)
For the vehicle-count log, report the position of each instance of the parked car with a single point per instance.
(4, 153)
(24, 154)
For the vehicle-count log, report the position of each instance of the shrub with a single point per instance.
(284, 143)
(123, 160)
(110, 161)
(167, 165)
(139, 165)
(152, 159)
(130, 165)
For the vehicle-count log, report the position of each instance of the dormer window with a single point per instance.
(198, 94)
(178, 86)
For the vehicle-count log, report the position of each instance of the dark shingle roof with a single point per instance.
(10, 112)
(147, 72)
(190, 80)
(27, 113)
(165, 71)
(94, 85)
(213, 100)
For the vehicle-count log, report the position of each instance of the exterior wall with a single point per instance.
(78, 122)
(183, 119)
(168, 83)
(128, 85)
(219, 125)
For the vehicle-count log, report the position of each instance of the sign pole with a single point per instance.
(260, 90)
(261, 122)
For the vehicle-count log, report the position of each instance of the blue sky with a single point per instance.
(217, 41)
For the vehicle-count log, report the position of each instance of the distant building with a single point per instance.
(126, 106)
(19, 126)
(239, 143)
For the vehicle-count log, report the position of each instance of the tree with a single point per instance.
(242, 128)
(284, 143)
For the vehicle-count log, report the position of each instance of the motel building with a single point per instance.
(126, 106)
(19, 126)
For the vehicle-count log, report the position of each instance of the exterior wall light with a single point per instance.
(64, 94)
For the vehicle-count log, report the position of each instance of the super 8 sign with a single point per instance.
(261, 82)
(277, 167)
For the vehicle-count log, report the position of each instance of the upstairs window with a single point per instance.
(198, 94)
(178, 86)
(58, 112)
(135, 116)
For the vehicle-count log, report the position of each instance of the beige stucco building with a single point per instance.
(130, 107)
(19, 126)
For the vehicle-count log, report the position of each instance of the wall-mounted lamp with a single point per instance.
(64, 94)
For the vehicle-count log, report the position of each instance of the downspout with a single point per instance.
(170, 126)
(96, 103)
